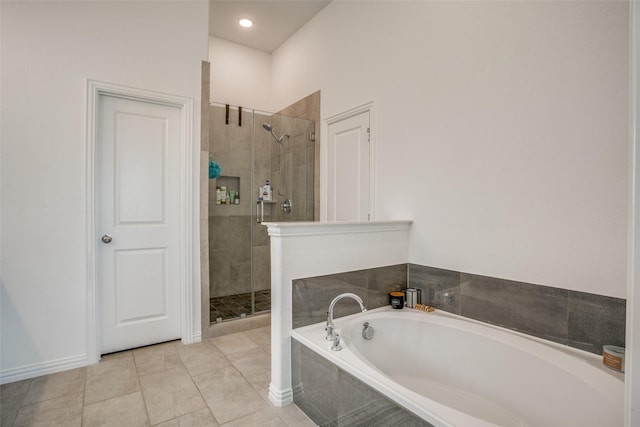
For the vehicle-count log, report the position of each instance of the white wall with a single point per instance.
(239, 75)
(501, 128)
(632, 361)
(49, 50)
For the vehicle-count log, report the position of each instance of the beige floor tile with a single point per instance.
(126, 354)
(170, 394)
(14, 389)
(222, 380)
(293, 416)
(55, 385)
(8, 412)
(112, 377)
(234, 343)
(262, 418)
(202, 357)
(255, 365)
(11, 397)
(264, 393)
(65, 411)
(261, 336)
(156, 358)
(127, 410)
(228, 394)
(200, 418)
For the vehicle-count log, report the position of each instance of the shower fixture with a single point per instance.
(268, 128)
(282, 188)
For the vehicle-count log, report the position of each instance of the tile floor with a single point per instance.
(233, 306)
(218, 382)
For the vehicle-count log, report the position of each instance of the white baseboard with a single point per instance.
(197, 336)
(43, 368)
(280, 398)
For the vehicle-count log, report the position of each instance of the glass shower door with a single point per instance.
(248, 155)
(230, 213)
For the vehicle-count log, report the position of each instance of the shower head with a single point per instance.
(268, 128)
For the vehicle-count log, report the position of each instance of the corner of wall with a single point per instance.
(204, 200)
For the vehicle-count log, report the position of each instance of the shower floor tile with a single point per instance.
(233, 306)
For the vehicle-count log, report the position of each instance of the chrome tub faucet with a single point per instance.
(331, 335)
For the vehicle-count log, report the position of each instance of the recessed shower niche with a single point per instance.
(248, 153)
(226, 191)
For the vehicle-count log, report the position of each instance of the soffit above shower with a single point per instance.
(274, 20)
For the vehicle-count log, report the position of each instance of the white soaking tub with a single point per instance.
(453, 371)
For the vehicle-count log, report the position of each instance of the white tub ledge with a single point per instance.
(308, 249)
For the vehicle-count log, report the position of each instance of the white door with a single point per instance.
(138, 155)
(349, 167)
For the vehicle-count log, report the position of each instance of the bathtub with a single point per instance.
(454, 371)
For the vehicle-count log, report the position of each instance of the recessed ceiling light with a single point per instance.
(246, 23)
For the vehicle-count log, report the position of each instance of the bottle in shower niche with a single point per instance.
(236, 199)
(223, 195)
(267, 194)
(218, 195)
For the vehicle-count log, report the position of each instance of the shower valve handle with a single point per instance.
(286, 206)
(260, 211)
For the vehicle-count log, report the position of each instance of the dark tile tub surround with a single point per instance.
(595, 320)
(332, 397)
(312, 296)
(578, 319)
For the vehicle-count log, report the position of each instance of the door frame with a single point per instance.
(96, 89)
(324, 156)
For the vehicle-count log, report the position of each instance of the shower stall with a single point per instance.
(248, 147)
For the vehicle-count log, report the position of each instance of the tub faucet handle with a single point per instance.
(335, 345)
(330, 330)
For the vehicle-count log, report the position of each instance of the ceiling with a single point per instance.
(274, 20)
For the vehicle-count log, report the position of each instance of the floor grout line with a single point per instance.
(144, 401)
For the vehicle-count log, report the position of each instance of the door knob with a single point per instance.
(106, 239)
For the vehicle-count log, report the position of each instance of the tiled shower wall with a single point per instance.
(309, 108)
(227, 266)
(296, 161)
(230, 225)
(577, 319)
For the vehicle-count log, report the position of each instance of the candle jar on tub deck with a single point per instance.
(396, 299)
